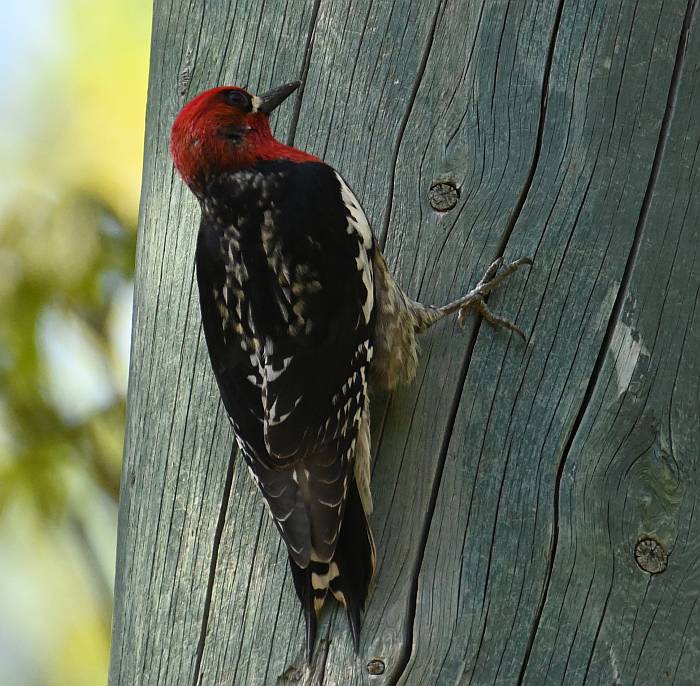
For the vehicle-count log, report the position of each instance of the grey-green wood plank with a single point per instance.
(250, 601)
(452, 250)
(358, 88)
(178, 441)
(491, 538)
(633, 469)
(395, 102)
(460, 130)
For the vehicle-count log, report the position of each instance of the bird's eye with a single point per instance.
(239, 99)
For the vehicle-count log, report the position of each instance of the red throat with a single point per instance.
(201, 149)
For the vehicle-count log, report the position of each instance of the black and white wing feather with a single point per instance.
(284, 267)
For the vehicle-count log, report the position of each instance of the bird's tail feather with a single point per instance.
(347, 576)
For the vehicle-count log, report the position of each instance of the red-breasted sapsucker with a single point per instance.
(302, 318)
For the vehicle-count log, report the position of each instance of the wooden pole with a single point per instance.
(534, 503)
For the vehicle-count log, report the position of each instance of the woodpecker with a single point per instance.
(302, 319)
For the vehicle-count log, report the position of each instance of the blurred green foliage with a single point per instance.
(71, 141)
(63, 262)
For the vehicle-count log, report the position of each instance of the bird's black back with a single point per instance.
(287, 313)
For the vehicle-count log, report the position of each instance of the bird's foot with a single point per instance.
(474, 300)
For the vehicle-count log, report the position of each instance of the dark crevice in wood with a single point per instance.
(600, 627)
(682, 650)
(227, 46)
(247, 601)
(306, 62)
(404, 123)
(377, 428)
(406, 649)
(229, 473)
(277, 613)
(212, 568)
(407, 645)
(299, 673)
(319, 667)
(612, 321)
(538, 140)
(195, 52)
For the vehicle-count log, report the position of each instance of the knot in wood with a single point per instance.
(650, 555)
(185, 75)
(375, 667)
(443, 196)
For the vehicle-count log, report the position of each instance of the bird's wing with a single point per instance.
(297, 397)
(239, 386)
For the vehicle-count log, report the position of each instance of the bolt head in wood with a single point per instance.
(443, 196)
(375, 667)
(650, 555)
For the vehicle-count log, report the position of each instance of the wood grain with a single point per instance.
(496, 521)
(178, 441)
(632, 469)
(511, 481)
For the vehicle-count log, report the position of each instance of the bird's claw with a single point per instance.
(488, 282)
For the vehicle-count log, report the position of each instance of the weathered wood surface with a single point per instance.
(512, 482)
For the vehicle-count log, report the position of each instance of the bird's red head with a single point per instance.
(225, 129)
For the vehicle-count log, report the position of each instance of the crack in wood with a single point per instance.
(306, 62)
(381, 239)
(212, 568)
(298, 673)
(611, 326)
(152, 641)
(229, 473)
(407, 648)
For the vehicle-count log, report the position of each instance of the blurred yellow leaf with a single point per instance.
(71, 145)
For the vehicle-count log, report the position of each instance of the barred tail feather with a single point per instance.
(347, 576)
(305, 592)
(355, 560)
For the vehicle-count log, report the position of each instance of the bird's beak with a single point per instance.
(275, 97)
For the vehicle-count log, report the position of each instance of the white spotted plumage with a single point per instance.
(357, 223)
(304, 414)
